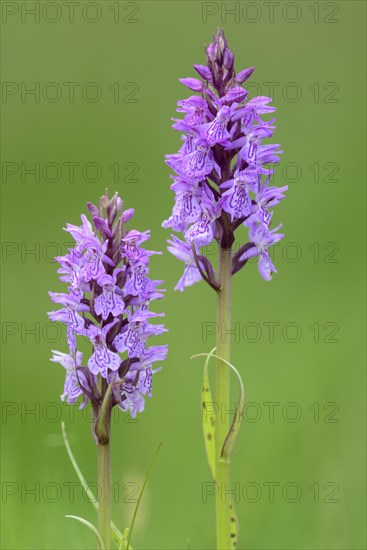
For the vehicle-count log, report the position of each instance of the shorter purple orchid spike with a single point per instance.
(108, 301)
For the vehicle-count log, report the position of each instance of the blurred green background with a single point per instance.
(304, 432)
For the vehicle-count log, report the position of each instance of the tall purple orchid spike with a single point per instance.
(107, 302)
(222, 171)
(221, 183)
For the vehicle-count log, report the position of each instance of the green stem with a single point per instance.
(104, 484)
(223, 350)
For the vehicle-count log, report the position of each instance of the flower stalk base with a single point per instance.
(104, 485)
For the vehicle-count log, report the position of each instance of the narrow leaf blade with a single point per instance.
(231, 437)
(230, 440)
(78, 472)
(234, 430)
(123, 542)
(92, 528)
(105, 410)
(118, 537)
(141, 495)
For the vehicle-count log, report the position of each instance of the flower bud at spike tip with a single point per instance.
(128, 214)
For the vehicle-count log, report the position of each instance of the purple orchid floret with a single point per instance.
(222, 170)
(110, 300)
(108, 303)
(74, 380)
(184, 252)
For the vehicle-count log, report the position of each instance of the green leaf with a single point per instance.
(231, 437)
(234, 430)
(208, 421)
(78, 472)
(123, 543)
(141, 495)
(102, 423)
(92, 528)
(118, 537)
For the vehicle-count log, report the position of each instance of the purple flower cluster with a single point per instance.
(108, 300)
(222, 170)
